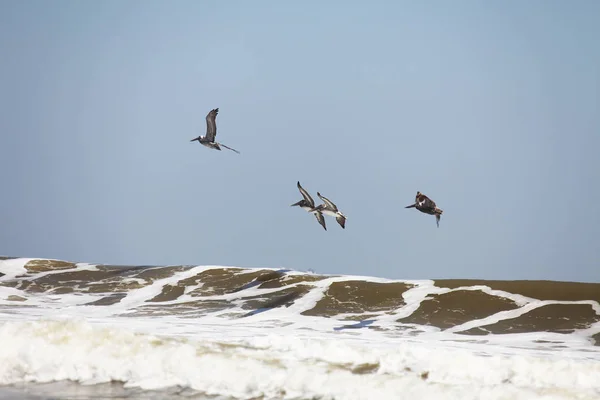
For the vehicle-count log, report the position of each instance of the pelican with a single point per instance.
(308, 204)
(427, 206)
(211, 132)
(328, 208)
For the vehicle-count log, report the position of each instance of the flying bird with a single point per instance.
(308, 204)
(211, 133)
(427, 206)
(328, 208)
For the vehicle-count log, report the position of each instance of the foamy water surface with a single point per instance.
(272, 334)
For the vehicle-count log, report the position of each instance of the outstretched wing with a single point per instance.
(227, 147)
(306, 196)
(341, 219)
(211, 124)
(321, 219)
(329, 203)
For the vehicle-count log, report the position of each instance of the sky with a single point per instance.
(492, 109)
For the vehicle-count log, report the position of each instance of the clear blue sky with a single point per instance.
(490, 108)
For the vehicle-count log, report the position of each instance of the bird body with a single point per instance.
(308, 204)
(208, 140)
(329, 208)
(427, 206)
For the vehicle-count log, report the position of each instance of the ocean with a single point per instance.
(73, 330)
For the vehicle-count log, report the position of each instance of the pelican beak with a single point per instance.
(296, 204)
(198, 139)
(411, 206)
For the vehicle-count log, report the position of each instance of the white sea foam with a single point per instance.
(14, 267)
(284, 366)
(281, 353)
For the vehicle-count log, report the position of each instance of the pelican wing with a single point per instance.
(306, 196)
(230, 148)
(329, 203)
(211, 124)
(341, 219)
(321, 219)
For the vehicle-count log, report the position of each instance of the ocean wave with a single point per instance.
(279, 366)
(465, 307)
(281, 334)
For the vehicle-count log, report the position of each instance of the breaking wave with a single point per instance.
(280, 334)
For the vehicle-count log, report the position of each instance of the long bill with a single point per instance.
(411, 206)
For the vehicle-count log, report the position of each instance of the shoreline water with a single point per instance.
(68, 390)
(188, 332)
